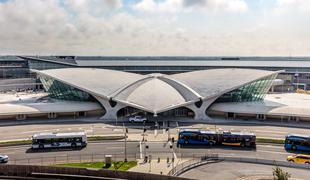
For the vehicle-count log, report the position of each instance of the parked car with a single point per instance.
(4, 158)
(137, 119)
(299, 158)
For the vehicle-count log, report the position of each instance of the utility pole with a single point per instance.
(125, 134)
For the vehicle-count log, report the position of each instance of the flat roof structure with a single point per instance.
(174, 63)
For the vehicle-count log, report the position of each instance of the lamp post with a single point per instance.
(125, 134)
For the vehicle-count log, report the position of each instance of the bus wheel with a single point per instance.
(211, 143)
(294, 148)
(41, 146)
(242, 145)
(186, 142)
(73, 145)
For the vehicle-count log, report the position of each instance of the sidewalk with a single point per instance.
(156, 167)
(160, 137)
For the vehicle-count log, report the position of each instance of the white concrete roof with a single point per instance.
(38, 108)
(290, 104)
(156, 92)
(212, 82)
(99, 81)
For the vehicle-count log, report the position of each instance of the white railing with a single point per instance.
(195, 162)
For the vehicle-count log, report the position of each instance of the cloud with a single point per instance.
(293, 5)
(112, 28)
(175, 6)
(94, 7)
(168, 6)
(217, 5)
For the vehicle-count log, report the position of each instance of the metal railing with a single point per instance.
(66, 158)
(196, 161)
(192, 163)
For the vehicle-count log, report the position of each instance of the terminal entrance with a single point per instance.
(173, 114)
(177, 113)
(131, 111)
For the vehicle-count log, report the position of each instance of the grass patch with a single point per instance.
(100, 138)
(17, 142)
(270, 140)
(117, 165)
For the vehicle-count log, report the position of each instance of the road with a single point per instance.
(99, 128)
(157, 149)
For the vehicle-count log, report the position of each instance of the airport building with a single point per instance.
(157, 95)
(156, 87)
(295, 74)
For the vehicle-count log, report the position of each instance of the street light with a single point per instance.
(125, 134)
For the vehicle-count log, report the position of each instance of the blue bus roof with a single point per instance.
(298, 135)
(196, 131)
(242, 133)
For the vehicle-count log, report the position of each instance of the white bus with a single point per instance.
(57, 140)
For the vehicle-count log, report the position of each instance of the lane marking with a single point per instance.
(140, 147)
(273, 152)
(275, 132)
(271, 146)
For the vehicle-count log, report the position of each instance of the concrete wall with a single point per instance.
(24, 170)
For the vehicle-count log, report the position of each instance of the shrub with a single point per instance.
(279, 174)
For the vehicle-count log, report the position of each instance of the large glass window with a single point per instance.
(254, 91)
(59, 90)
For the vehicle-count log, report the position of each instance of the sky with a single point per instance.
(155, 27)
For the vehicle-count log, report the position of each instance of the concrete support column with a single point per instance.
(111, 112)
(200, 112)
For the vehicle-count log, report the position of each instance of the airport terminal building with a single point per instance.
(156, 87)
(157, 95)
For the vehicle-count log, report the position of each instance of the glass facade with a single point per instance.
(254, 91)
(42, 65)
(59, 90)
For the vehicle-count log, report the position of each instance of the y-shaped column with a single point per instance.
(110, 108)
(200, 111)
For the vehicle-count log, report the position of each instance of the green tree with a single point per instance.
(279, 174)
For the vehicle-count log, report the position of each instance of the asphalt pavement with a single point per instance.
(23, 154)
(25, 131)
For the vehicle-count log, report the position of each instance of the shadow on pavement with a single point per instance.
(30, 150)
(217, 147)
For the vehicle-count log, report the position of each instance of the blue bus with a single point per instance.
(297, 142)
(242, 139)
(195, 136)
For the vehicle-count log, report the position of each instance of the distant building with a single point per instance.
(296, 72)
(296, 69)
